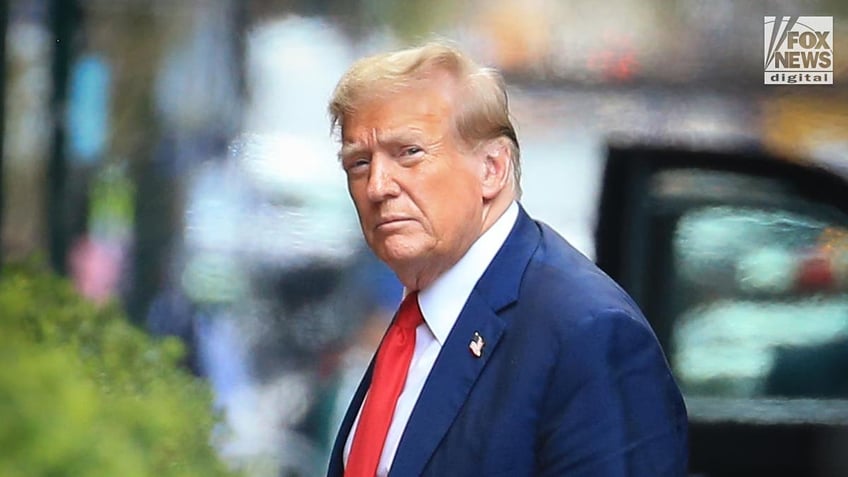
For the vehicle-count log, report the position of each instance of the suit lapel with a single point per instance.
(447, 388)
(456, 369)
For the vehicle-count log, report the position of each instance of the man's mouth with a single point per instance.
(389, 221)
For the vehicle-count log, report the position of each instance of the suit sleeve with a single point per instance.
(612, 407)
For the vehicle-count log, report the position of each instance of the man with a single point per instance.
(529, 360)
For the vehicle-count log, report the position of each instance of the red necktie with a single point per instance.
(390, 370)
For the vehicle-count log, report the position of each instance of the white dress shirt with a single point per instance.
(440, 305)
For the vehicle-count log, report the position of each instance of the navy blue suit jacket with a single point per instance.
(571, 381)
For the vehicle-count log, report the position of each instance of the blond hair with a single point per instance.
(482, 115)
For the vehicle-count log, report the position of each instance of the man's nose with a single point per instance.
(382, 183)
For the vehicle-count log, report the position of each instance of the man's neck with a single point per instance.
(494, 210)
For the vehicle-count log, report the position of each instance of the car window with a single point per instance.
(760, 290)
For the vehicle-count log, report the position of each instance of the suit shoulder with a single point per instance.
(566, 288)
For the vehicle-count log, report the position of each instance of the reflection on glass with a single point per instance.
(765, 304)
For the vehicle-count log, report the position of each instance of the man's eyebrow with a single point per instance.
(351, 149)
(388, 138)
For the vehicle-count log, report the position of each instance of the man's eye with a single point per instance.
(356, 164)
(412, 150)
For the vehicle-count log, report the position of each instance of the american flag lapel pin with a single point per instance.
(476, 345)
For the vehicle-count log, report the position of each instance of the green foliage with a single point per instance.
(84, 393)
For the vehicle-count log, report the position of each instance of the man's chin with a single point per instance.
(398, 253)
(398, 258)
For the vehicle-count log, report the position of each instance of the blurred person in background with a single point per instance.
(512, 353)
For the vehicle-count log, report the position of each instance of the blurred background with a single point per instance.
(176, 158)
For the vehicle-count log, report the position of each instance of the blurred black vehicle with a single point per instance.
(740, 261)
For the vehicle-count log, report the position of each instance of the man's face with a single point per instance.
(415, 184)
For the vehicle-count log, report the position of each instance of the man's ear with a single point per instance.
(497, 168)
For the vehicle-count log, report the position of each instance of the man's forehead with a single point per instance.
(364, 136)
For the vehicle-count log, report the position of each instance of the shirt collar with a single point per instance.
(444, 299)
